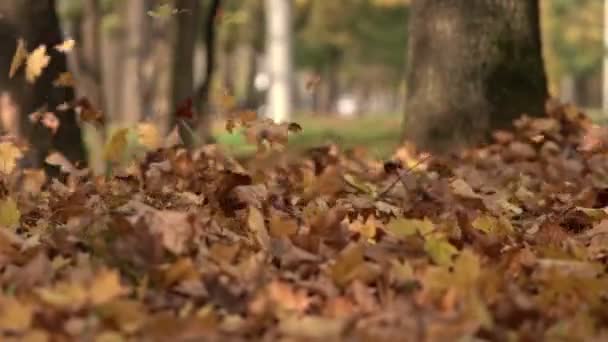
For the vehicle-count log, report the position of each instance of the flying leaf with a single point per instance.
(66, 46)
(148, 136)
(19, 58)
(9, 154)
(115, 149)
(163, 11)
(65, 79)
(36, 62)
(59, 160)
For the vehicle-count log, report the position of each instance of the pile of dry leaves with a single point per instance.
(507, 242)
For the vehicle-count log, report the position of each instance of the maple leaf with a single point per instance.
(19, 58)
(36, 62)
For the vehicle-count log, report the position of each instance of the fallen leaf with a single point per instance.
(10, 215)
(15, 316)
(255, 221)
(105, 287)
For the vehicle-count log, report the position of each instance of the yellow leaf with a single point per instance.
(162, 11)
(66, 296)
(9, 153)
(116, 148)
(467, 270)
(109, 336)
(65, 79)
(183, 269)
(440, 250)
(128, 315)
(105, 287)
(350, 265)
(19, 58)
(66, 46)
(148, 136)
(36, 62)
(9, 213)
(282, 226)
(485, 223)
(14, 315)
(402, 227)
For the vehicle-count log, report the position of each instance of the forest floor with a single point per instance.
(503, 242)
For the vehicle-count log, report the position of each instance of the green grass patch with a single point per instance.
(379, 134)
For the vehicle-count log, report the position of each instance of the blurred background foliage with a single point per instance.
(344, 50)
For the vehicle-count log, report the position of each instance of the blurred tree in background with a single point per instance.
(36, 22)
(143, 59)
(572, 37)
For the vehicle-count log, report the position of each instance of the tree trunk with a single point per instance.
(279, 59)
(36, 21)
(133, 91)
(87, 59)
(473, 66)
(186, 35)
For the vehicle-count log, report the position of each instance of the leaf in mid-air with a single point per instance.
(36, 62)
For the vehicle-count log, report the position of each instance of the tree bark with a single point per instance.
(87, 59)
(36, 21)
(473, 66)
(135, 21)
(187, 32)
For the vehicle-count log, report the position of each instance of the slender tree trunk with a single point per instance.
(279, 59)
(133, 91)
(473, 65)
(87, 60)
(187, 31)
(36, 21)
(201, 98)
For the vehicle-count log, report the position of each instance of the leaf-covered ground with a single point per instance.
(502, 243)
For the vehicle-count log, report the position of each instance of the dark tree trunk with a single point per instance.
(187, 32)
(202, 93)
(36, 21)
(473, 66)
